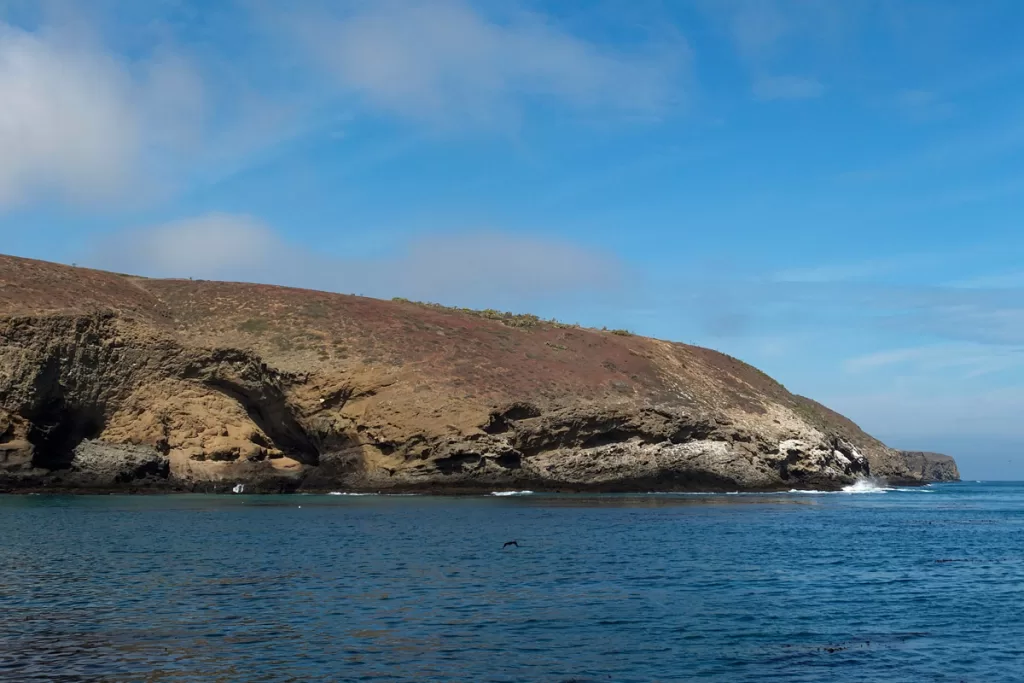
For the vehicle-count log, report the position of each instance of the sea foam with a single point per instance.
(867, 485)
(511, 493)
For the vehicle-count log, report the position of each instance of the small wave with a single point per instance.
(346, 493)
(698, 493)
(511, 493)
(867, 486)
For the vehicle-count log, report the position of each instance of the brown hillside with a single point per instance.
(197, 383)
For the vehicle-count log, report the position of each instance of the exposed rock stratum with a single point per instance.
(111, 381)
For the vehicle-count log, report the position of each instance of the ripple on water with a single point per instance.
(786, 587)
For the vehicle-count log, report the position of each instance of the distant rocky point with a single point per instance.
(931, 467)
(110, 381)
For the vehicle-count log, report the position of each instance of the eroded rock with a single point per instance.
(931, 467)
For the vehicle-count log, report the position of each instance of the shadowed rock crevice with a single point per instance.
(271, 413)
(458, 463)
(500, 422)
(57, 428)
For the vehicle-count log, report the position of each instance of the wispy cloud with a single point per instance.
(966, 360)
(447, 63)
(94, 117)
(953, 90)
(937, 411)
(850, 296)
(479, 267)
(767, 34)
(787, 88)
(876, 269)
(1013, 280)
(756, 26)
(215, 245)
(923, 105)
(841, 272)
(983, 143)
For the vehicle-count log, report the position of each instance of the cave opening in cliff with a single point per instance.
(57, 429)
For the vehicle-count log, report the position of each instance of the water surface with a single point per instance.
(901, 585)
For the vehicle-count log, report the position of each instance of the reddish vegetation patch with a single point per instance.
(469, 351)
(482, 360)
(29, 287)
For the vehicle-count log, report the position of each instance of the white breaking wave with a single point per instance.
(866, 486)
(349, 493)
(697, 493)
(511, 493)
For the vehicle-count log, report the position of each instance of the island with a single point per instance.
(117, 382)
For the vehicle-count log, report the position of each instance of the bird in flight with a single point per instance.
(510, 543)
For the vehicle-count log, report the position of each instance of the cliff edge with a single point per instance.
(109, 381)
(931, 467)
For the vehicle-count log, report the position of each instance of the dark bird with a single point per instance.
(510, 543)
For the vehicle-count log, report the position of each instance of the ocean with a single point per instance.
(920, 584)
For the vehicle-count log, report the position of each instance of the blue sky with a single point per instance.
(831, 191)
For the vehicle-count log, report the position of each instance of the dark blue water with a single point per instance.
(924, 585)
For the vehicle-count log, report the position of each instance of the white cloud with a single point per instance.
(787, 88)
(84, 123)
(444, 62)
(473, 268)
(966, 360)
(530, 265)
(66, 119)
(77, 121)
(211, 246)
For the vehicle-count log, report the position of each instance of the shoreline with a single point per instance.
(449, 492)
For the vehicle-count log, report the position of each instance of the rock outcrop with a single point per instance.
(931, 467)
(111, 381)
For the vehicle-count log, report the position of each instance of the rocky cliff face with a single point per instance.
(115, 381)
(931, 466)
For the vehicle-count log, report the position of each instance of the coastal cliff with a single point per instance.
(111, 381)
(931, 467)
